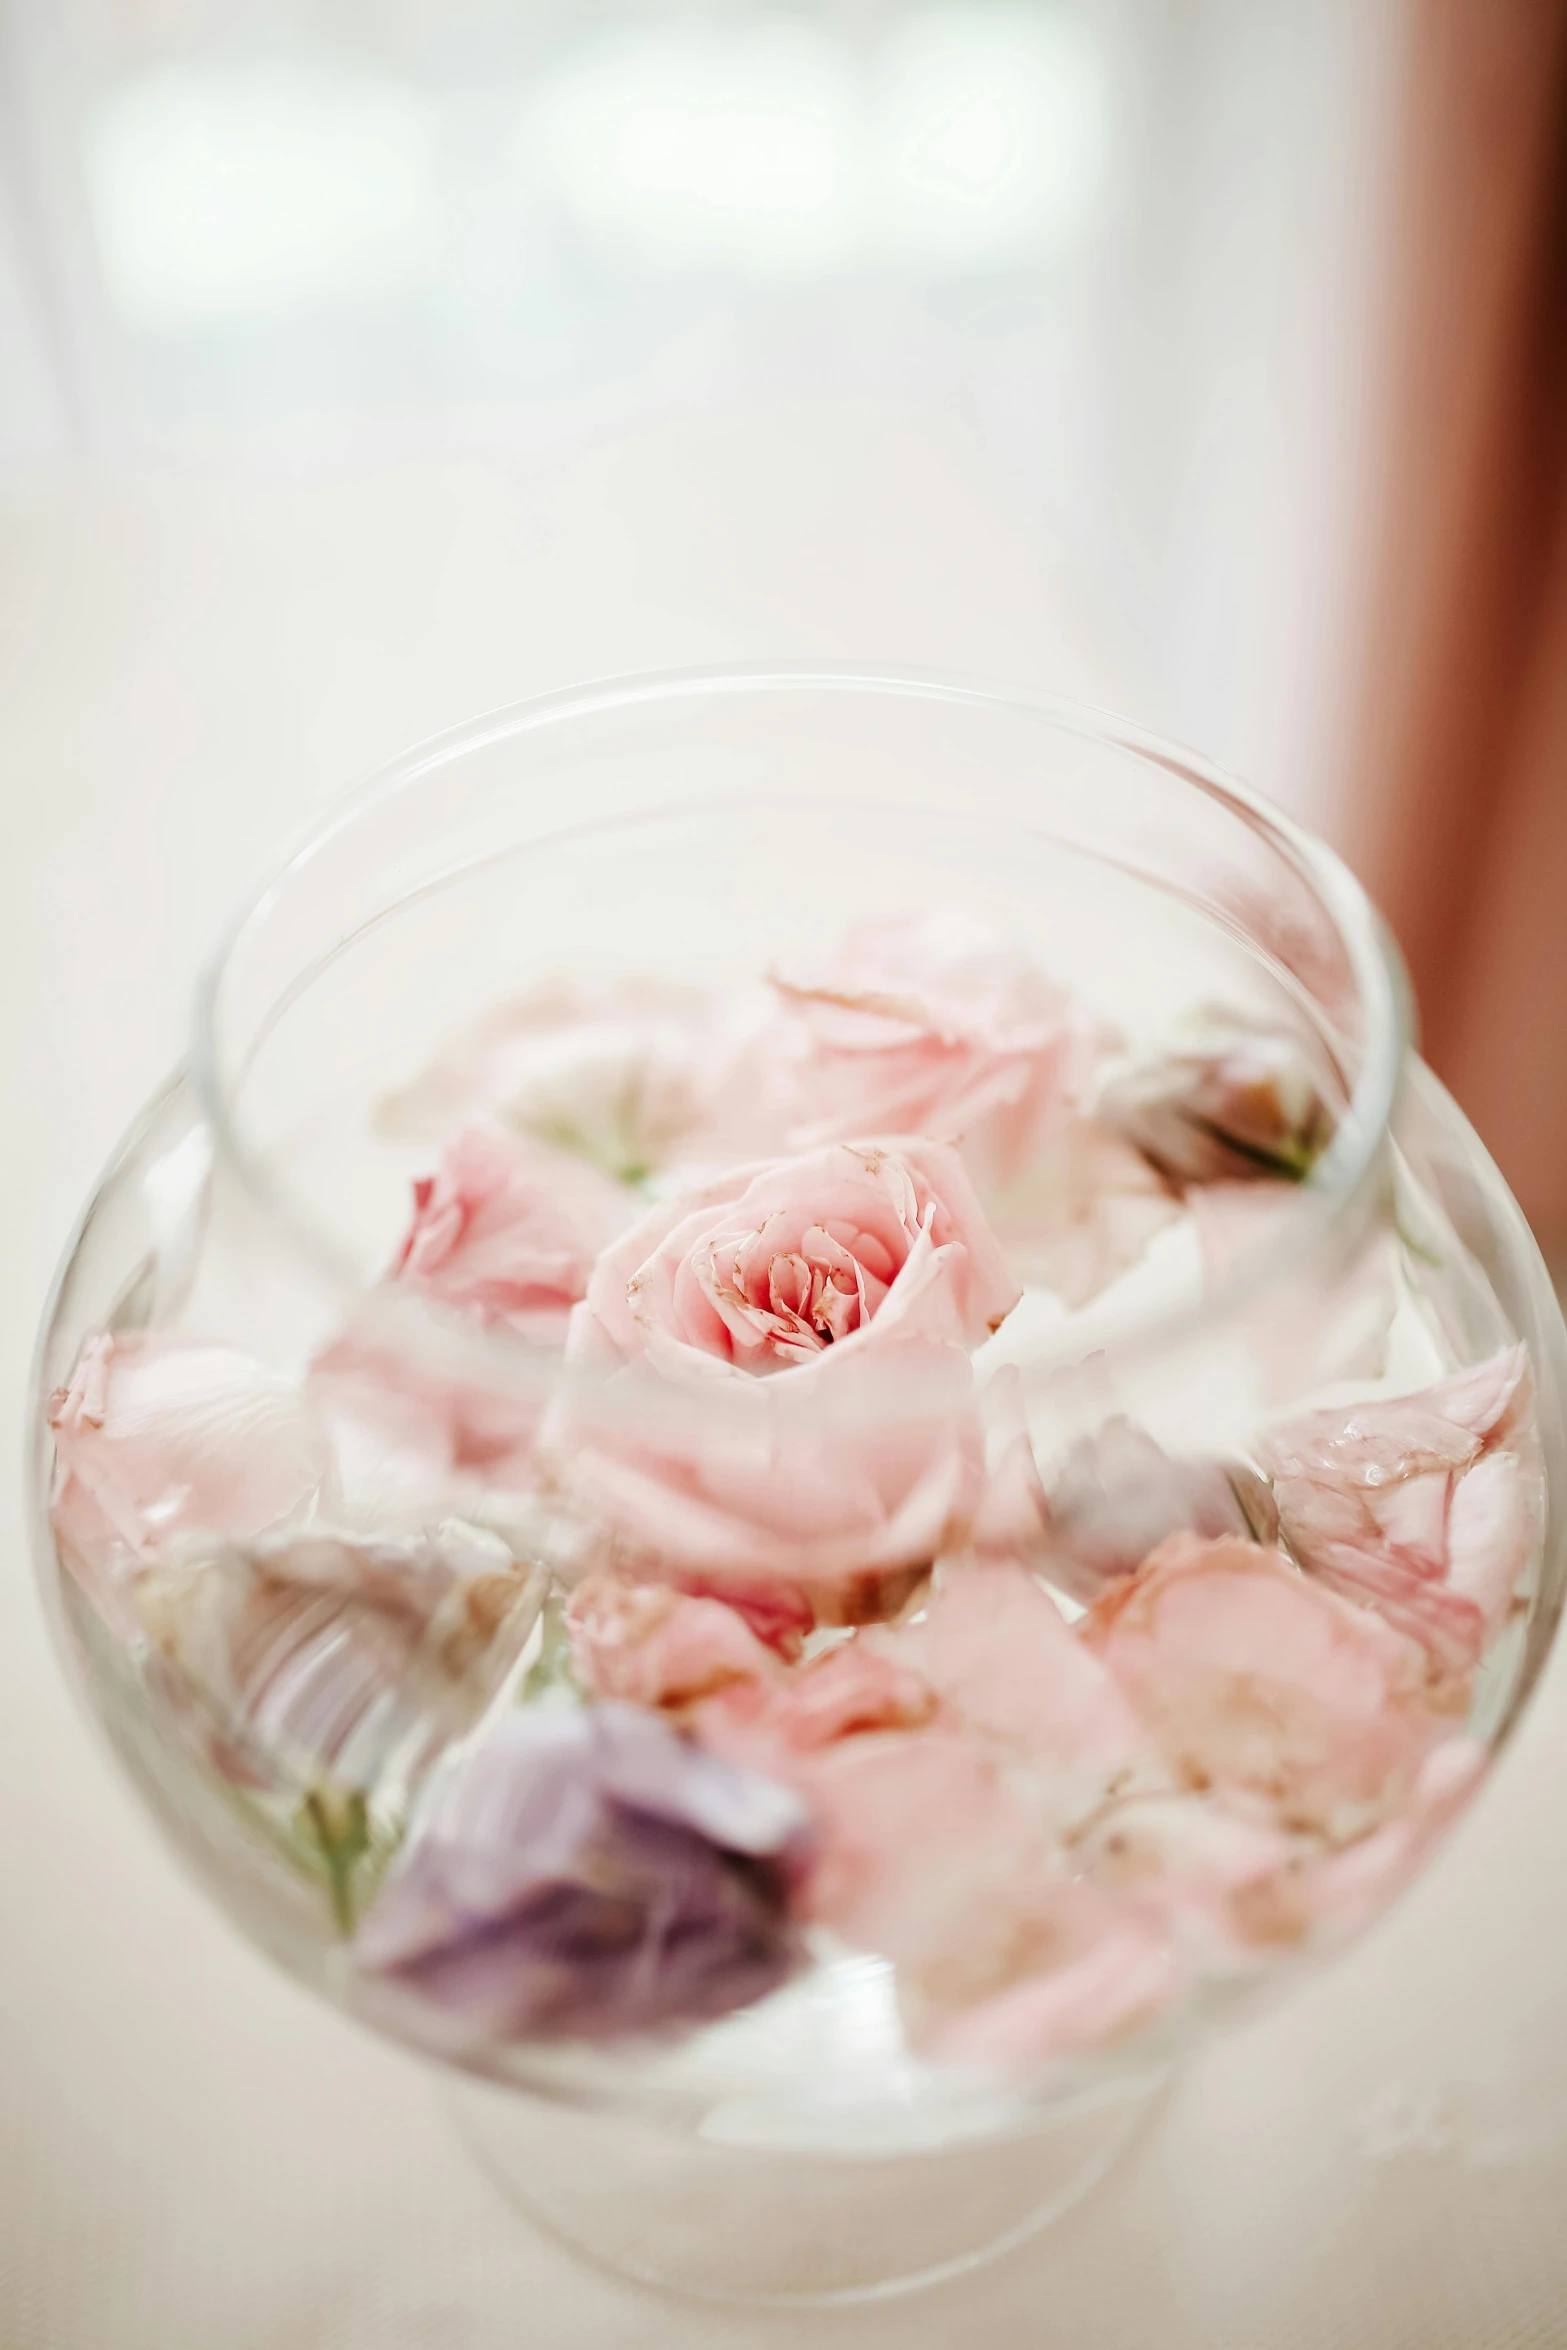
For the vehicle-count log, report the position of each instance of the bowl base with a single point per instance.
(712, 2220)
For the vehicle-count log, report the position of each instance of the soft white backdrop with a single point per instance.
(1131, 254)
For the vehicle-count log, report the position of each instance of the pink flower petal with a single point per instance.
(159, 1438)
(1418, 1506)
(925, 1025)
(1493, 1399)
(1492, 1528)
(620, 1074)
(1341, 1893)
(509, 1233)
(925, 1854)
(505, 1234)
(995, 1646)
(1411, 1517)
(658, 1647)
(1119, 1985)
(1448, 1626)
(1375, 1443)
(852, 1690)
(1204, 1869)
(1254, 1678)
(1242, 1104)
(1118, 1495)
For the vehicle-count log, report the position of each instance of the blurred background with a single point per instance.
(368, 363)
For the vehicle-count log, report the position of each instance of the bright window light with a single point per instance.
(692, 144)
(991, 134)
(220, 195)
(969, 137)
(973, 137)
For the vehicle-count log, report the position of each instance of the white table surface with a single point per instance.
(193, 2154)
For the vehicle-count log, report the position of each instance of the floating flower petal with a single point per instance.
(585, 1873)
(1255, 1679)
(1241, 1104)
(926, 1025)
(162, 1440)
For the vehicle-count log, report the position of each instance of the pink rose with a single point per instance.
(772, 1266)
(924, 1025)
(163, 1440)
(509, 1235)
(1257, 1682)
(1239, 1104)
(619, 1074)
(778, 1377)
(506, 1234)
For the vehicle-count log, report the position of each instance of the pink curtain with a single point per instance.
(1459, 820)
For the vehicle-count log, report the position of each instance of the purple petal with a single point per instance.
(589, 1873)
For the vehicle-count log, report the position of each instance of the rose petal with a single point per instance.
(618, 1073)
(1387, 1438)
(1120, 1984)
(1118, 1495)
(926, 1025)
(1416, 1505)
(1204, 1870)
(996, 1648)
(1493, 1526)
(1240, 1105)
(653, 1646)
(1253, 1677)
(509, 1233)
(161, 1438)
(1339, 1894)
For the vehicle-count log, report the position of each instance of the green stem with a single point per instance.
(343, 1843)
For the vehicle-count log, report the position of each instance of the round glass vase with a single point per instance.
(690, 833)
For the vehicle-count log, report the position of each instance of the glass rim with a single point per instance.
(1338, 1181)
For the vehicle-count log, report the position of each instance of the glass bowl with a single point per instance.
(808, 1737)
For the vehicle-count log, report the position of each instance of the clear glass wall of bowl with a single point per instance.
(290, 1697)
